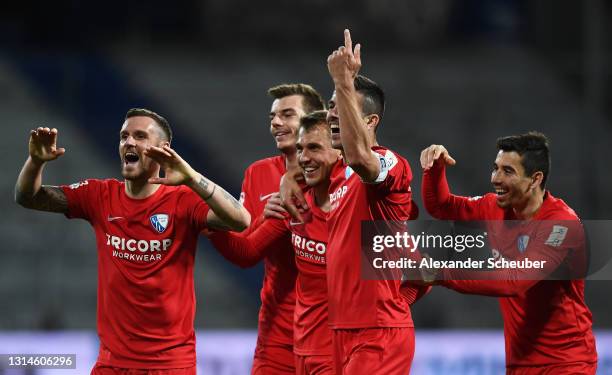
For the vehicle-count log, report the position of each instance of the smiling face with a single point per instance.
(512, 186)
(285, 120)
(316, 156)
(137, 133)
(333, 119)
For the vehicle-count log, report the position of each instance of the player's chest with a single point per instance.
(309, 240)
(145, 220)
(346, 191)
(261, 189)
(511, 239)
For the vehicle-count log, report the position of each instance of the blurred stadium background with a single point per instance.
(456, 72)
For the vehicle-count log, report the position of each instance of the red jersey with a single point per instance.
(261, 180)
(146, 251)
(546, 322)
(308, 240)
(353, 302)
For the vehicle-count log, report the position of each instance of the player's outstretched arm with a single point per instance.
(248, 250)
(29, 191)
(343, 65)
(225, 211)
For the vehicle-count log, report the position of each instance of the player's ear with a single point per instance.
(372, 121)
(536, 179)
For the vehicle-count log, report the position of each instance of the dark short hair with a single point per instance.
(311, 99)
(534, 151)
(314, 119)
(160, 120)
(373, 96)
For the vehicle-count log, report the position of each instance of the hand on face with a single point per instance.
(176, 170)
(344, 63)
(43, 145)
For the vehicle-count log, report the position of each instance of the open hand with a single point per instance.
(176, 170)
(43, 145)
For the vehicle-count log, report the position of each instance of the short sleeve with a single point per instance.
(82, 197)
(245, 193)
(395, 174)
(198, 209)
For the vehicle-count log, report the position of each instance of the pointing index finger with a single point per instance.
(348, 43)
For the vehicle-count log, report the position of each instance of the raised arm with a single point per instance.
(343, 65)
(437, 198)
(225, 211)
(29, 191)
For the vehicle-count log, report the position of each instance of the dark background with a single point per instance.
(458, 73)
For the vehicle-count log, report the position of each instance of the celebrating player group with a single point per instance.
(301, 213)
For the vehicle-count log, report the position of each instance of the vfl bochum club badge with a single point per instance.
(348, 172)
(159, 222)
(522, 243)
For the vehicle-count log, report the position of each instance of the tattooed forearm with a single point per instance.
(203, 183)
(48, 198)
(233, 200)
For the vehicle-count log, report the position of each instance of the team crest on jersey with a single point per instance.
(348, 172)
(522, 243)
(159, 222)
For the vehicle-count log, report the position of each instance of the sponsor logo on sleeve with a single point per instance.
(557, 235)
(389, 161)
(159, 222)
(77, 185)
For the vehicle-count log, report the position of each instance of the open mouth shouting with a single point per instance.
(130, 158)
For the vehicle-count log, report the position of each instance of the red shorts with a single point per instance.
(370, 351)
(273, 359)
(100, 369)
(581, 368)
(314, 364)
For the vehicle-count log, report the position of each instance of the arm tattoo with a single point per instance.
(203, 183)
(48, 198)
(233, 200)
